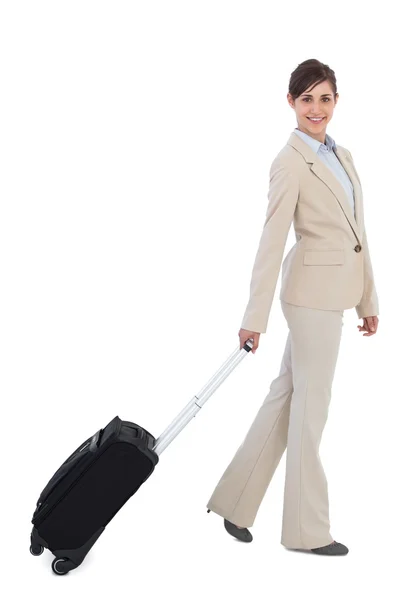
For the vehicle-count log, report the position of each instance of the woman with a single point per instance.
(313, 182)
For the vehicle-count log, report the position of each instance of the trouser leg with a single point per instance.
(315, 341)
(242, 486)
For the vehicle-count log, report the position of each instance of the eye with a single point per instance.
(305, 99)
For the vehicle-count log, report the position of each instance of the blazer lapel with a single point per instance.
(325, 174)
(348, 166)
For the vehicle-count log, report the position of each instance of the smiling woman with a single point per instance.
(314, 184)
(315, 107)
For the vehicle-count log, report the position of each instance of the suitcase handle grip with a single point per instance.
(94, 441)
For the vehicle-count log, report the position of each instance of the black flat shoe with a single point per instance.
(334, 549)
(243, 535)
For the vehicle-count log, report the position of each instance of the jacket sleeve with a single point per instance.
(369, 304)
(282, 199)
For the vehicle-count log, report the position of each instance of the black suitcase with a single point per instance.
(93, 484)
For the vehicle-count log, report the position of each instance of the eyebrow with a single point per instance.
(321, 95)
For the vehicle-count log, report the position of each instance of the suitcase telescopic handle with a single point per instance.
(198, 401)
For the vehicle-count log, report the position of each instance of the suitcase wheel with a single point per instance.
(36, 549)
(62, 566)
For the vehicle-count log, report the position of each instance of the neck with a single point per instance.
(320, 136)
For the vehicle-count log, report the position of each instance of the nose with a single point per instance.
(315, 111)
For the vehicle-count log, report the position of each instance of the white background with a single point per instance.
(136, 144)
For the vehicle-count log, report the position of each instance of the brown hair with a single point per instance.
(310, 72)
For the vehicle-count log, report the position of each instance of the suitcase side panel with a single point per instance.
(72, 468)
(84, 456)
(97, 496)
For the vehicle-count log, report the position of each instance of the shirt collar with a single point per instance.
(329, 145)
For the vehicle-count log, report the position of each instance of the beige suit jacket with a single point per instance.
(329, 267)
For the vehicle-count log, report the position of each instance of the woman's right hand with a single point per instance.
(245, 334)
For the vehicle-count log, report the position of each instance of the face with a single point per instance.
(319, 103)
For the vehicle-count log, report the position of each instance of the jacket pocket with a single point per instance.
(323, 257)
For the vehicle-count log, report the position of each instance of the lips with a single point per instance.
(319, 121)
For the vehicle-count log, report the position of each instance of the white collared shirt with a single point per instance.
(326, 153)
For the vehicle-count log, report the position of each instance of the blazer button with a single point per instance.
(357, 248)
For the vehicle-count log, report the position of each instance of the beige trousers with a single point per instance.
(292, 417)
